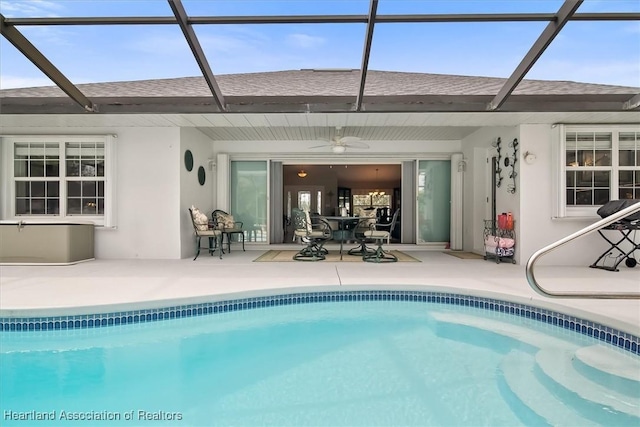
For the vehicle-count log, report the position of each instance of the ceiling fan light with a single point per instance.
(338, 149)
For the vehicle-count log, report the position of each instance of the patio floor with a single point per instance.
(117, 285)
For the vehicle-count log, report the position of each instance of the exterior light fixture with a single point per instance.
(302, 173)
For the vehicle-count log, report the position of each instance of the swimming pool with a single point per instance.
(324, 358)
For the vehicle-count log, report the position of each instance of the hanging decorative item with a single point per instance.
(511, 161)
(188, 160)
(201, 175)
(497, 145)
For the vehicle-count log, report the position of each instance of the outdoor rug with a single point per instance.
(464, 255)
(333, 256)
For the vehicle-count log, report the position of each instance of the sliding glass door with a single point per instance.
(434, 201)
(249, 202)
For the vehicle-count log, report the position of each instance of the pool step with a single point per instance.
(518, 370)
(517, 332)
(593, 373)
(558, 365)
(614, 362)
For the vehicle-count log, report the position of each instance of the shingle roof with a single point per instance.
(323, 83)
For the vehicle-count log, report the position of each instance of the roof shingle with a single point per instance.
(323, 83)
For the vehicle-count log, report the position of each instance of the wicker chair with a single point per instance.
(214, 236)
(313, 235)
(381, 232)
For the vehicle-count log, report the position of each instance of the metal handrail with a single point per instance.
(587, 230)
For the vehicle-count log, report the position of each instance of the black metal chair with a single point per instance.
(359, 231)
(228, 226)
(313, 235)
(381, 232)
(202, 230)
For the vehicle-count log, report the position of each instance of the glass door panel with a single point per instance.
(249, 198)
(434, 201)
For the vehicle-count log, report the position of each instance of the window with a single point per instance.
(598, 164)
(363, 204)
(304, 200)
(60, 178)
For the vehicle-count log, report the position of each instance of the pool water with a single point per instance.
(326, 364)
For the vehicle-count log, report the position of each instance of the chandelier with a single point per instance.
(376, 192)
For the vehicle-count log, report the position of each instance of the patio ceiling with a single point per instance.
(201, 109)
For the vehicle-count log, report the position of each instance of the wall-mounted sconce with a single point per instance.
(529, 157)
(302, 173)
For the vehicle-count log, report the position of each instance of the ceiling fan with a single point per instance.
(339, 144)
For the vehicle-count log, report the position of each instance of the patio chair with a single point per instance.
(313, 235)
(381, 232)
(229, 227)
(361, 227)
(201, 229)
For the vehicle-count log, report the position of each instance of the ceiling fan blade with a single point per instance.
(357, 144)
(320, 146)
(348, 139)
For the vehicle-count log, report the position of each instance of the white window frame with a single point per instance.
(377, 201)
(559, 159)
(108, 219)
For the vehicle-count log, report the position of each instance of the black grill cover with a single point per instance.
(614, 206)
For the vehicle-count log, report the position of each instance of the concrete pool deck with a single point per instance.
(113, 285)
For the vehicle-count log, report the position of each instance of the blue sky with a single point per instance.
(593, 52)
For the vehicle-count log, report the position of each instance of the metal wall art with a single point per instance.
(497, 145)
(510, 161)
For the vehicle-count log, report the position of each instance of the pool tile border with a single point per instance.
(601, 332)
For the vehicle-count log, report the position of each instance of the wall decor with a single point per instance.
(188, 160)
(498, 146)
(511, 161)
(201, 175)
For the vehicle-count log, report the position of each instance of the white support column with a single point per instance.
(458, 167)
(223, 188)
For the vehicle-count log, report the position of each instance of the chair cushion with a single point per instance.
(376, 234)
(233, 230)
(199, 219)
(225, 221)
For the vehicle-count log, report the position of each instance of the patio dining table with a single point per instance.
(346, 225)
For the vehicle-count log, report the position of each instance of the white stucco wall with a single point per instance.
(477, 187)
(147, 193)
(531, 204)
(536, 202)
(154, 190)
(191, 192)
(147, 190)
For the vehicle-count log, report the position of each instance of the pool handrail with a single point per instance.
(583, 232)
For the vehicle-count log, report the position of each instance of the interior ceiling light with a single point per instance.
(376, 192)
(338, 149)
(302, 173)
